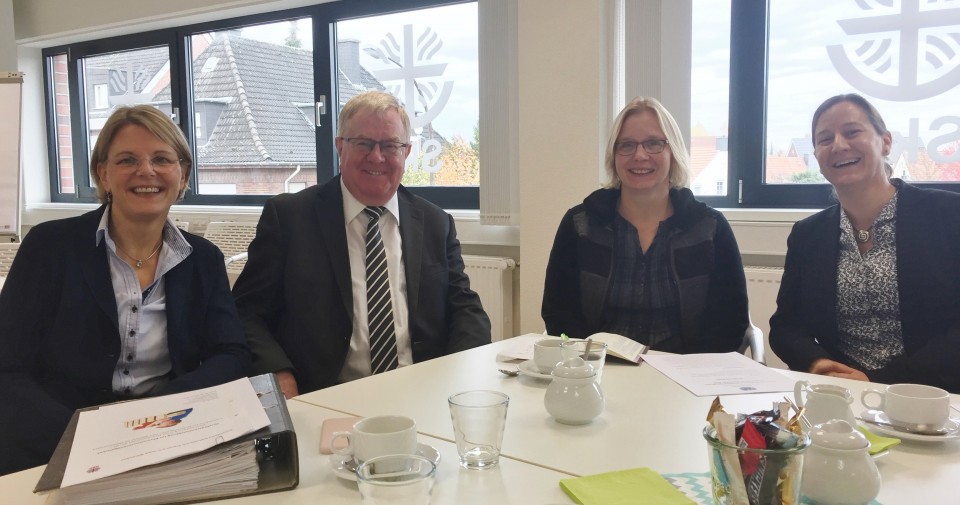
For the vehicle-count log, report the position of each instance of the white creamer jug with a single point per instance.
(574, 397)
(824, 402)
(837, 469)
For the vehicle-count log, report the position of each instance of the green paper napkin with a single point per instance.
(878, 444)
(637, 486)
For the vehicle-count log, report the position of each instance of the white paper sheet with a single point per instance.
(117, 438)
(719, 374)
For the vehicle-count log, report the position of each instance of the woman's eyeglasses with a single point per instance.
(159, 163)
(629, 147)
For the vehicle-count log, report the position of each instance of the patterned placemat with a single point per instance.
(696, 486)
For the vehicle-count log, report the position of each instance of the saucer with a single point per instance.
(952, 426)
(346, 468)
(529, 368)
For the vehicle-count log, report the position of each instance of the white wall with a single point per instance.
(562, 101)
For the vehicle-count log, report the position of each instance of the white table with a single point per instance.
(514, 482)
(649, 421)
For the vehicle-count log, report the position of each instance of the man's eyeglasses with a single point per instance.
(629, 147)
(159, 163)
(387, 147)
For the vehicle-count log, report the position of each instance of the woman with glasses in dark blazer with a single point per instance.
(641, 257)
(116, 303)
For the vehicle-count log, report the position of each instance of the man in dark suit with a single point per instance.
(316, 305)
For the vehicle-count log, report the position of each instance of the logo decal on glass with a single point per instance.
(920, 34)
(416, 86)
(410, 58)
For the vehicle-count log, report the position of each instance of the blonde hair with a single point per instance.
(679, 173)
(157, 123)
(377, 101)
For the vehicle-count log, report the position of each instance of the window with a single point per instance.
(246, 84)
(709, 95)
(902, 56)
(59, 136)
(259, 109)
(83, 89)
(760, 69)
(428, 58)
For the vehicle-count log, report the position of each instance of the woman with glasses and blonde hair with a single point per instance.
(116, 303)
(871, 286)
(641, 257)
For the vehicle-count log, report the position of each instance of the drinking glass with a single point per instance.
(478, 421)
(396, 479)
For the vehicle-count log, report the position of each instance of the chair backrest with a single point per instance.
(753, 340)
(232, 238)
(7, 252)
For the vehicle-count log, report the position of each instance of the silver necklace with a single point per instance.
(139, 264)
(862, 236)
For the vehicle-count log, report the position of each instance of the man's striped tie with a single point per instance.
(383, 339)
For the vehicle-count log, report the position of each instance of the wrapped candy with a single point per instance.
(755, 458)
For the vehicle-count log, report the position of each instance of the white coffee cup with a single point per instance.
(546, 354)
(378, 436)
(911, 405)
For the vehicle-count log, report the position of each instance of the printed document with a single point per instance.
(719, 374)
(120, 437)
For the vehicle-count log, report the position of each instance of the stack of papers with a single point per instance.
(229, 469)
(158, 450)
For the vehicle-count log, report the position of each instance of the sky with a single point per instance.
(802, 75)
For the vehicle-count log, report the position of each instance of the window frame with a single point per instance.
(324, 16)
(80, 141)
(749, 60)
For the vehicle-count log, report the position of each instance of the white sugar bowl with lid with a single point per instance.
(574, 397)
(837, 468)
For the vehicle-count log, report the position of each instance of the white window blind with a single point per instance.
(10, 107)
(499, 152)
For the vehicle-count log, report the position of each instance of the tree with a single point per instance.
(461, 165)
(475, 143)
(293, 35)
(807, 177)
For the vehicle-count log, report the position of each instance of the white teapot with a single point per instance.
(837, 469)
(574, 397)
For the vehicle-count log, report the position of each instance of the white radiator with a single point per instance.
(492, 278)
(763, 284)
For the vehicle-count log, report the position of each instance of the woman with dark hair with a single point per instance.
(871, 286)
(116, 303)
(642, 258)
